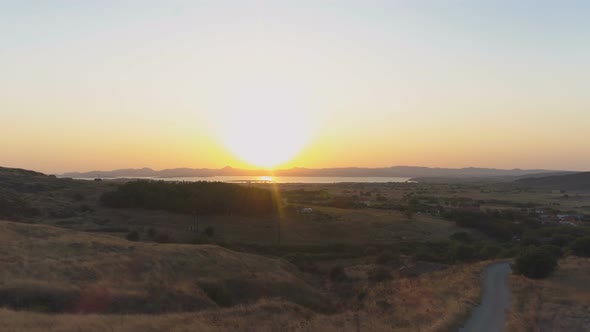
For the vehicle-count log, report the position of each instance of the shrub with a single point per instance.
(303, 261)
(535, 263)
(489, 252)
(561, 240)
(581, 247)
(371, 251)
(508, 252)
(85, 208)
(78, 197)
(387, 257)
(162, 238)
(337, 274)
(218, 293)
(209, 231)
(152, 232)
(408, 213)
(461, 237)
(554, 250)
(461, 252)
(380, 274)
(133, 236)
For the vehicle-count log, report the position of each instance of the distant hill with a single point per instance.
(394, 171)
(486, 179)
(576, 181)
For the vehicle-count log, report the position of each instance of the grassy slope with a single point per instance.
(559, 303)
(55, 269)
(100, 268)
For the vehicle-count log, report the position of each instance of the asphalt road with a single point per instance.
(489, 316)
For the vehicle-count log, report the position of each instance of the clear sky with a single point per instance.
(90, 85)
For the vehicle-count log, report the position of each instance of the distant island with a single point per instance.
(394, 171)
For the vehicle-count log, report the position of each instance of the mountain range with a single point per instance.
(394, 171)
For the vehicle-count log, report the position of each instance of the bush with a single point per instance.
(461, 237)
(371, 251)
(581, 247)
(508, 252)
(535, 263)
(209, 231)
(162, 238)
(304, 262)
(489, 252)
(219, 293)
(380, 274)
(85, 208)
(554, 250)
(387, 257)
(461, 252)
(561, 240)
(133, 236)
(337, 274)
(78, 197)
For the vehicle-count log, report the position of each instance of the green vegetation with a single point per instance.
(133, 236)
(201, 198)
(498, 224)
(581, 247)
(535, 263)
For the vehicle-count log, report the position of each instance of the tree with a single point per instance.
(461, 252)
(461, 237)
(209, 231)
(133, 236)
(535, 263)
(581, 247)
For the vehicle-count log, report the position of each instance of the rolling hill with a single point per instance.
(51, 269)
(577, 181)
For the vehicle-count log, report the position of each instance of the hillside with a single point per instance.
(577, 181)
(50, 269)
(53, 275)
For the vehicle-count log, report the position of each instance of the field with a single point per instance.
(331, 257)
(559, 303)
(59, 274)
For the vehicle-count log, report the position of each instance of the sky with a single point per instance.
(87, 85)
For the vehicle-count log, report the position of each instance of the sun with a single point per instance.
(265, 125)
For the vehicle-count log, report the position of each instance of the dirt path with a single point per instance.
(489, 316)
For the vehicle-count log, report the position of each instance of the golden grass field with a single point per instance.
(559, 303)
(46, 265)
(100, 268)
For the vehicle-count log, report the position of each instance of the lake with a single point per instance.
(283, 179)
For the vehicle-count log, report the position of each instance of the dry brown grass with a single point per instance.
(559, 303)
(43, 266)
(57, 261)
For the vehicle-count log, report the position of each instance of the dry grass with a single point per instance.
(559, 303)
(41, 256)
(42, 267)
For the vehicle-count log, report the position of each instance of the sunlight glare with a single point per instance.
(265, 125)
